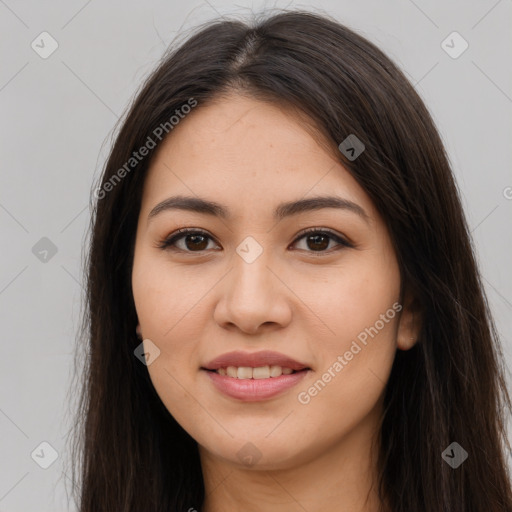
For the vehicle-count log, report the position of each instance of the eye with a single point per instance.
(319, 239)
(194, 240)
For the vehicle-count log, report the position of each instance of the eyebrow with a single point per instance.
(199, 205)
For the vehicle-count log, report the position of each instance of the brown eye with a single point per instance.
(318, 241)
(193, 241)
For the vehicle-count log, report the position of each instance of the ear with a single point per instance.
(409, 325)
(138, 331)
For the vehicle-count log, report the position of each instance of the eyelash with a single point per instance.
(167, 243)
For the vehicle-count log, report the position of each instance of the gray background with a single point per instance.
(58, 115)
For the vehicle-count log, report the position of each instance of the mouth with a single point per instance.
(247, 384)
(260, 372)
(254, 376)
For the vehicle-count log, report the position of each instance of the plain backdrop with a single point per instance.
(57, 116)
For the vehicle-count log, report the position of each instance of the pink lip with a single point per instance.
(255, 360)
(253, 390)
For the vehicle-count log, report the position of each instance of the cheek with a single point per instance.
(350, 298)
(166, 309)
(355, 345)
(170, 311)
(353, 365)
(162, 294)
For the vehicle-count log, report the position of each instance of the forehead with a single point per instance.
(238, 149)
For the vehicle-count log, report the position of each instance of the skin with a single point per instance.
(311, 305)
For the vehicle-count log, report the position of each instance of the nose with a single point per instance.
(253, 297)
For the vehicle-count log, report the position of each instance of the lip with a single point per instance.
(254, 390)
(255, 360)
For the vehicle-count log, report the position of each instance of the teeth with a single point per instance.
(262, 372)
(246, 372)
(275, 371)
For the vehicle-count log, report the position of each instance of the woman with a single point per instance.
(284, 310)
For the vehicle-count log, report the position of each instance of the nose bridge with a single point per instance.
(252, 295)
(251, 268)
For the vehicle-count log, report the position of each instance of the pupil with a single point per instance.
(196, 240)
(316, 239)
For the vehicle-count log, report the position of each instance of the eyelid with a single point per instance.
(167, 242)
(339, 238)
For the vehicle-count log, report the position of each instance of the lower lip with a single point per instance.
(254, 390)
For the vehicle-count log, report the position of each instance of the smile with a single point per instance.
(262, 372)
(254, 384)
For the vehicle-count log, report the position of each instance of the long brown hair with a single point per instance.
(130, 453)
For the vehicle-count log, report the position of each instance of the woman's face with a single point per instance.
(249, 280)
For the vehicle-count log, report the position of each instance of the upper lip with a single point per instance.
(254, 360)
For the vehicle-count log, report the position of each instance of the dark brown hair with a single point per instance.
(130, 453)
